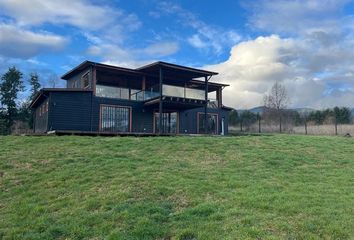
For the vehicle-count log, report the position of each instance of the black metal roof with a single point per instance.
(87, 64)
(170, 70)
(175, 70)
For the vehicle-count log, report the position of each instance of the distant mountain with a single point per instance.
(260, 110)
(255, 110)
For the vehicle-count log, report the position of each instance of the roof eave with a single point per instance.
(179, 67)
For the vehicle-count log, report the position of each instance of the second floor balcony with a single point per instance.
(151, 93)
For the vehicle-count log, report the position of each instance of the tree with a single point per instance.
(276, 101)
(317, 116)
(247, 118)
(11, 84)
(233, 118)
(35, 85)
(342, 115)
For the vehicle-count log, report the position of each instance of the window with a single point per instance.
(169, 122)
(115, 118)
(85, 80)
(211, 126)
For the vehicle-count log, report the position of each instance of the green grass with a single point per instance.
(247, 187)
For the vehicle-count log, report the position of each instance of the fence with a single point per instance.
(310, 128)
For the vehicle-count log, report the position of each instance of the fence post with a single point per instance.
(241, 122)
(305, 126)
(335, 125)
(259, 123)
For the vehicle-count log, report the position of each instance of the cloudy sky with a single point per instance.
(307, 45)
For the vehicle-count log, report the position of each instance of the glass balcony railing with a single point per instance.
(143, 95)
(140, 95)
(182, 92)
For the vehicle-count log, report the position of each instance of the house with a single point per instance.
(159, 98)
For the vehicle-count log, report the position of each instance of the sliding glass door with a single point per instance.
(169, 122)
(115, 118)
(211, 126)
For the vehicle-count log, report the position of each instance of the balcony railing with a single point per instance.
(182, 92)
(144, 95)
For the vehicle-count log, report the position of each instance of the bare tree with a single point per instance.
(53, 81)
(276, 101)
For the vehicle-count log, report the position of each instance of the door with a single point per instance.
(115, 118)
(211, 126)
(169, 122)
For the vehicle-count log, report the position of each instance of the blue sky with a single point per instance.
(307, 45)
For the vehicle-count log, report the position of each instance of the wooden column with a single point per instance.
(206, 106)
(94, 79)
(143, 84)
(219, 97)
(160, 102)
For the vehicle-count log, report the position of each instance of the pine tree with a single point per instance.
(10, 85)
(35, 85)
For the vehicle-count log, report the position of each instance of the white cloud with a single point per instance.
(161, 49)
(300, 17)
(255, 65)
(117, 55)
(105, 26)
(20, 43)
(312, 58)
(206, 36)
(196, 42)
(79, 13)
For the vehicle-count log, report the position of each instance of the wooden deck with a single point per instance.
(108, 134)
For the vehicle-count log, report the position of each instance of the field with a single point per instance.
(247, 187)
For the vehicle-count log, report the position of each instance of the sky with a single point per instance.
(308, 46)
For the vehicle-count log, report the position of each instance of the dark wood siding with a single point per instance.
(41, 117)
(76, 82)
(70, 111)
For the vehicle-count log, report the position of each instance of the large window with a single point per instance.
(115, 119)
(211, 126)
(112, 92)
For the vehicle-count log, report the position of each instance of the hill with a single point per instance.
(249, 187)
(260, 110)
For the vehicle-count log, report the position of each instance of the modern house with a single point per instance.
(160, 98)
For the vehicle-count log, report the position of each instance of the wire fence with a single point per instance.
(308, 128)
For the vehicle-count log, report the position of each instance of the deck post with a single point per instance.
(160, 102)
(206, 106)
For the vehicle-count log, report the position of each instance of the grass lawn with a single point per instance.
(265, 187)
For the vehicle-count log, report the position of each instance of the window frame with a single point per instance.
(87, 74)
(116, 106)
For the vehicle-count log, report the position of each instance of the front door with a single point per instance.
(169, 122)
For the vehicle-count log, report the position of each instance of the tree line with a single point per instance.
(13, 109)
(339, 115)
(275, 112)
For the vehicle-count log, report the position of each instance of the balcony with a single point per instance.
(174, 96)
